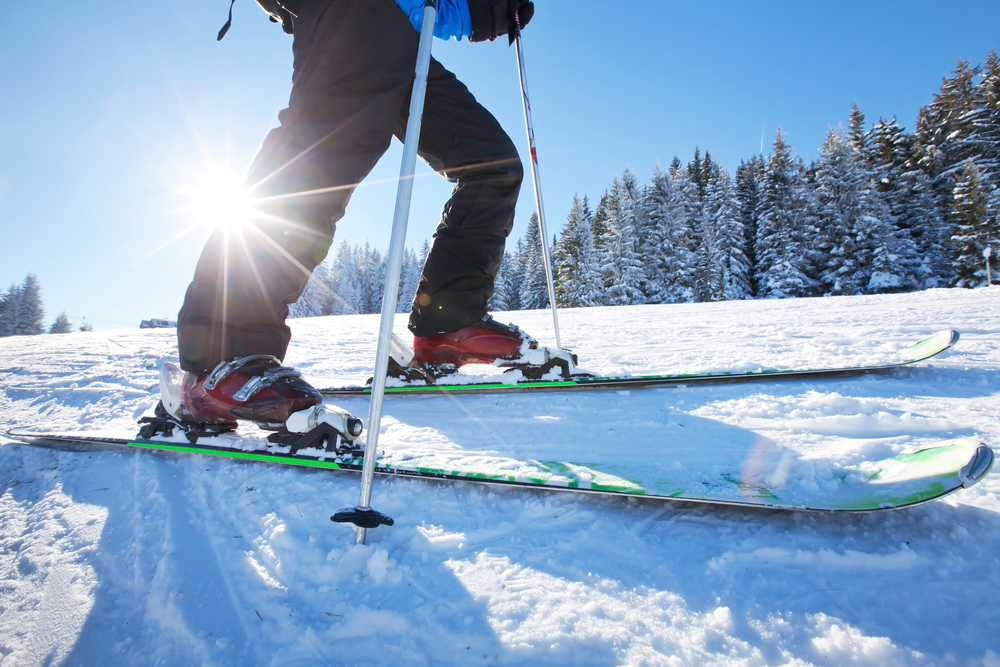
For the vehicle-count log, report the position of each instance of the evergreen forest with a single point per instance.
(880, 210)
(22, 311)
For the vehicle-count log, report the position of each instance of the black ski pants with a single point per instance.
(354, 64)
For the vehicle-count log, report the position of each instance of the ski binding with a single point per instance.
(534, 364)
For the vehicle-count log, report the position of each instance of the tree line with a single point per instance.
(880, 210)
(352, 281)
(22, 311)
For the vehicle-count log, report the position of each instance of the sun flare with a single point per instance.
(220, 200)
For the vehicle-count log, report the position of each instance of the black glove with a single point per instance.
(492, 18)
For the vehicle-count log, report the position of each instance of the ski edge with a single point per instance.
(980, 463)
(659, 381)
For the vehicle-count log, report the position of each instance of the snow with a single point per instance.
(146, 558)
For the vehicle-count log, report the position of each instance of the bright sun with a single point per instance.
(220, 200)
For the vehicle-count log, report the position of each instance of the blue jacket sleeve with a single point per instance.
(453, 17)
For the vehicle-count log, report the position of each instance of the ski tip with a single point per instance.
(928, 347)
(978, 466)
(945, 338)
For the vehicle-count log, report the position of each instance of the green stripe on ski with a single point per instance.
(557, 474)
(233, 454)
(485, 385)
(548, 473)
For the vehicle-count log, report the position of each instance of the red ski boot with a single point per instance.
(489, 342)
(255, 388)
(482, 342)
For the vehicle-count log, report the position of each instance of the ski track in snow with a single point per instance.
(144, 558)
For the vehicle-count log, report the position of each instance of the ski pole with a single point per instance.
(535, 178)
(363, 516)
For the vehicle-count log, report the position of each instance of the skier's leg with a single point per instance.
(462, 141)
(353, 71)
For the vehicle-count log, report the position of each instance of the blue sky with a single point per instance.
(109, 112)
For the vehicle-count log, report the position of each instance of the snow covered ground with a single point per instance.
(126, 557)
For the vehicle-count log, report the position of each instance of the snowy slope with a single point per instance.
(111, 557)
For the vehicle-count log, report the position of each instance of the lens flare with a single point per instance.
(219, 200)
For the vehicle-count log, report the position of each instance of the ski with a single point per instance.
(908, 479)
(919, 351)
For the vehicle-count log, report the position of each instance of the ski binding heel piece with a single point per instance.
(171, 380)
(362, 517)
(400, 352)
(407, 373)
(401, 364)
